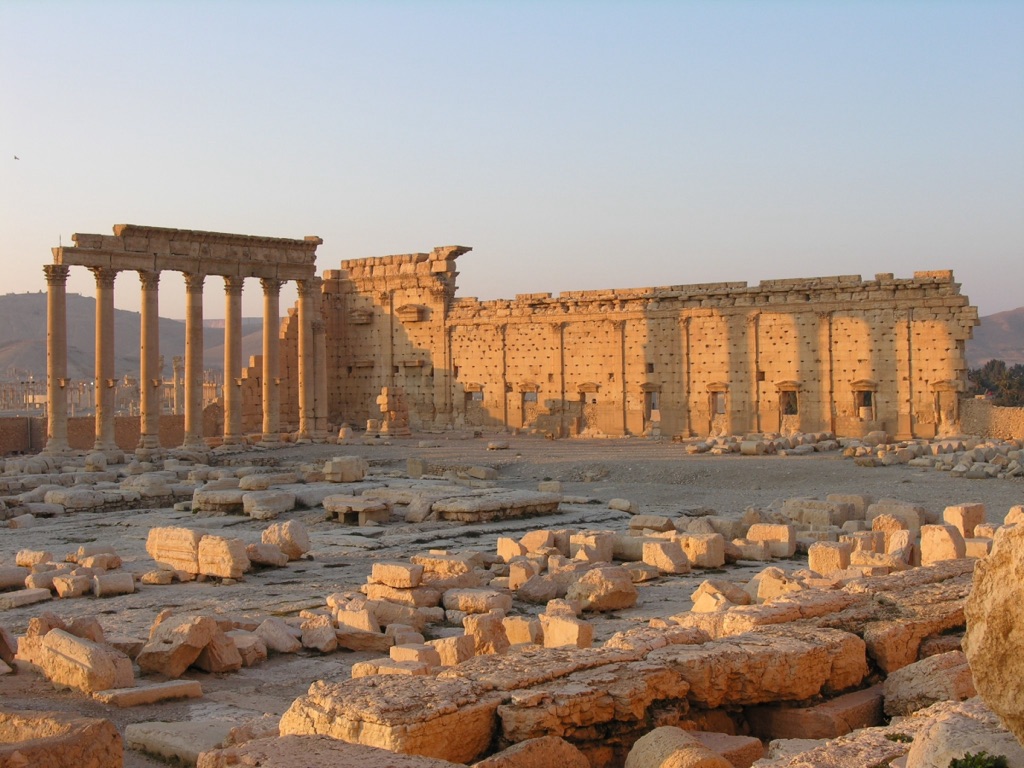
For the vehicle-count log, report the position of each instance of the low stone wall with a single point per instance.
(27, 434)
(980, 417)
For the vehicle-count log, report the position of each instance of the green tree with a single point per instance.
(1003, 383)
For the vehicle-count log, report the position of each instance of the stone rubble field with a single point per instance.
(514, 602)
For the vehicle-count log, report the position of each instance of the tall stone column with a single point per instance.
(320, 382)
(56, 358)
(305, 360)
(194, 361)
(150, 377)
(105, 381)
(233, 360)
(271, 364)
(177, 390)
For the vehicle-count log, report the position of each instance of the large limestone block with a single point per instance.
(75, 498)
(415, 597)
(453, 650)
(488, 633)
(595, 546)
(175, 547)
(955, 730)
(941, 542)
(672, 747)
(269, 555)
(780, 539)
(589, 702)
(82, 664)
(560, 631)
(965, 517)
(994, 642)
(477, 600)
(219, 655)
(386, 711)
(914, 516)
(220, 501)
(397, 575)
(291, 537)
(819, 514)
(277, 637)
(153, 693)
(827, 557)
(41, 739)
(266, 505)
(666, 555)
(542, 752)
(943, 677)
(774, 664)
(222, 557)
(345, 469)
(604, 589)
(177, 743)
(704, 550)
(175, 643)
(827, 720)
(261, 481)
(320, 751)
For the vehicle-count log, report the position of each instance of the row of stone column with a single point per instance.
(312, 406)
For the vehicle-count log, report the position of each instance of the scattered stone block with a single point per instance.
(175, 643)
(180, 742)
(826, 558)
(488, 633)
(266, 505)
(112, 584)
(828, 720)
(277, 637)
(561, 630)
(608, 588)
(177, 548)
(780, 539)
(994, 643)
(666, 556)
(670, 746)
(151, 693)
(943, 677)
(269, 555)
(941, 542)
(454, 650)
(383, 711)
(222, 501)
(291, 537)
(704, 550)
(87, 666)
(540, 752)
(23, 597)
(40, 739)
(397, 575)
(965, 517)
(222, 557)
(249, 645)
(345, 469)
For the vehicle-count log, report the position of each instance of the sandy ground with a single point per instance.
(658, 477)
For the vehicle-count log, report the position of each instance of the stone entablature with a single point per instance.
(838, 354)
(149, 251)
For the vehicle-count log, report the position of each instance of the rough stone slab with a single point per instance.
(82, 664)
(175, 547)
(542, 752)
(23, 597)
(828, 720)
(39, 739)
(322, 751)
(386, 711)
(770, 665)
(151, 693)
(182, 742)
(496, 505)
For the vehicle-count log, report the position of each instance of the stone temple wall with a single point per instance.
(980, 417)
(835, 354)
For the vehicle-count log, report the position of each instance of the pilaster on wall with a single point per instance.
(686, 360)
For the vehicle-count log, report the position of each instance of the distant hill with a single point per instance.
(23, 338)
(999, 337)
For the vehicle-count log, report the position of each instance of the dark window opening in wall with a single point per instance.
(475, 397)
(788, 403)
(529, 397)
(611, 376)
(760, 375)
(551, 377)
(350, 369)
(650, 367)
(863, 398)
(394, 369)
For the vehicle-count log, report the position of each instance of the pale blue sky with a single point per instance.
(573, 145)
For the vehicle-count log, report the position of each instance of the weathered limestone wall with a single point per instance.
(980, 417)
(837, 354)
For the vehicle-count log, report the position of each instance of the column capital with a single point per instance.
(150, 280)
(194, 282)
(233, 285)
(271, 285)
(56, 274)
(319, 326)
(105, 276)
(306, 288)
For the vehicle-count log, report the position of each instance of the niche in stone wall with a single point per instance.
(865, 403)
(411, 313)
